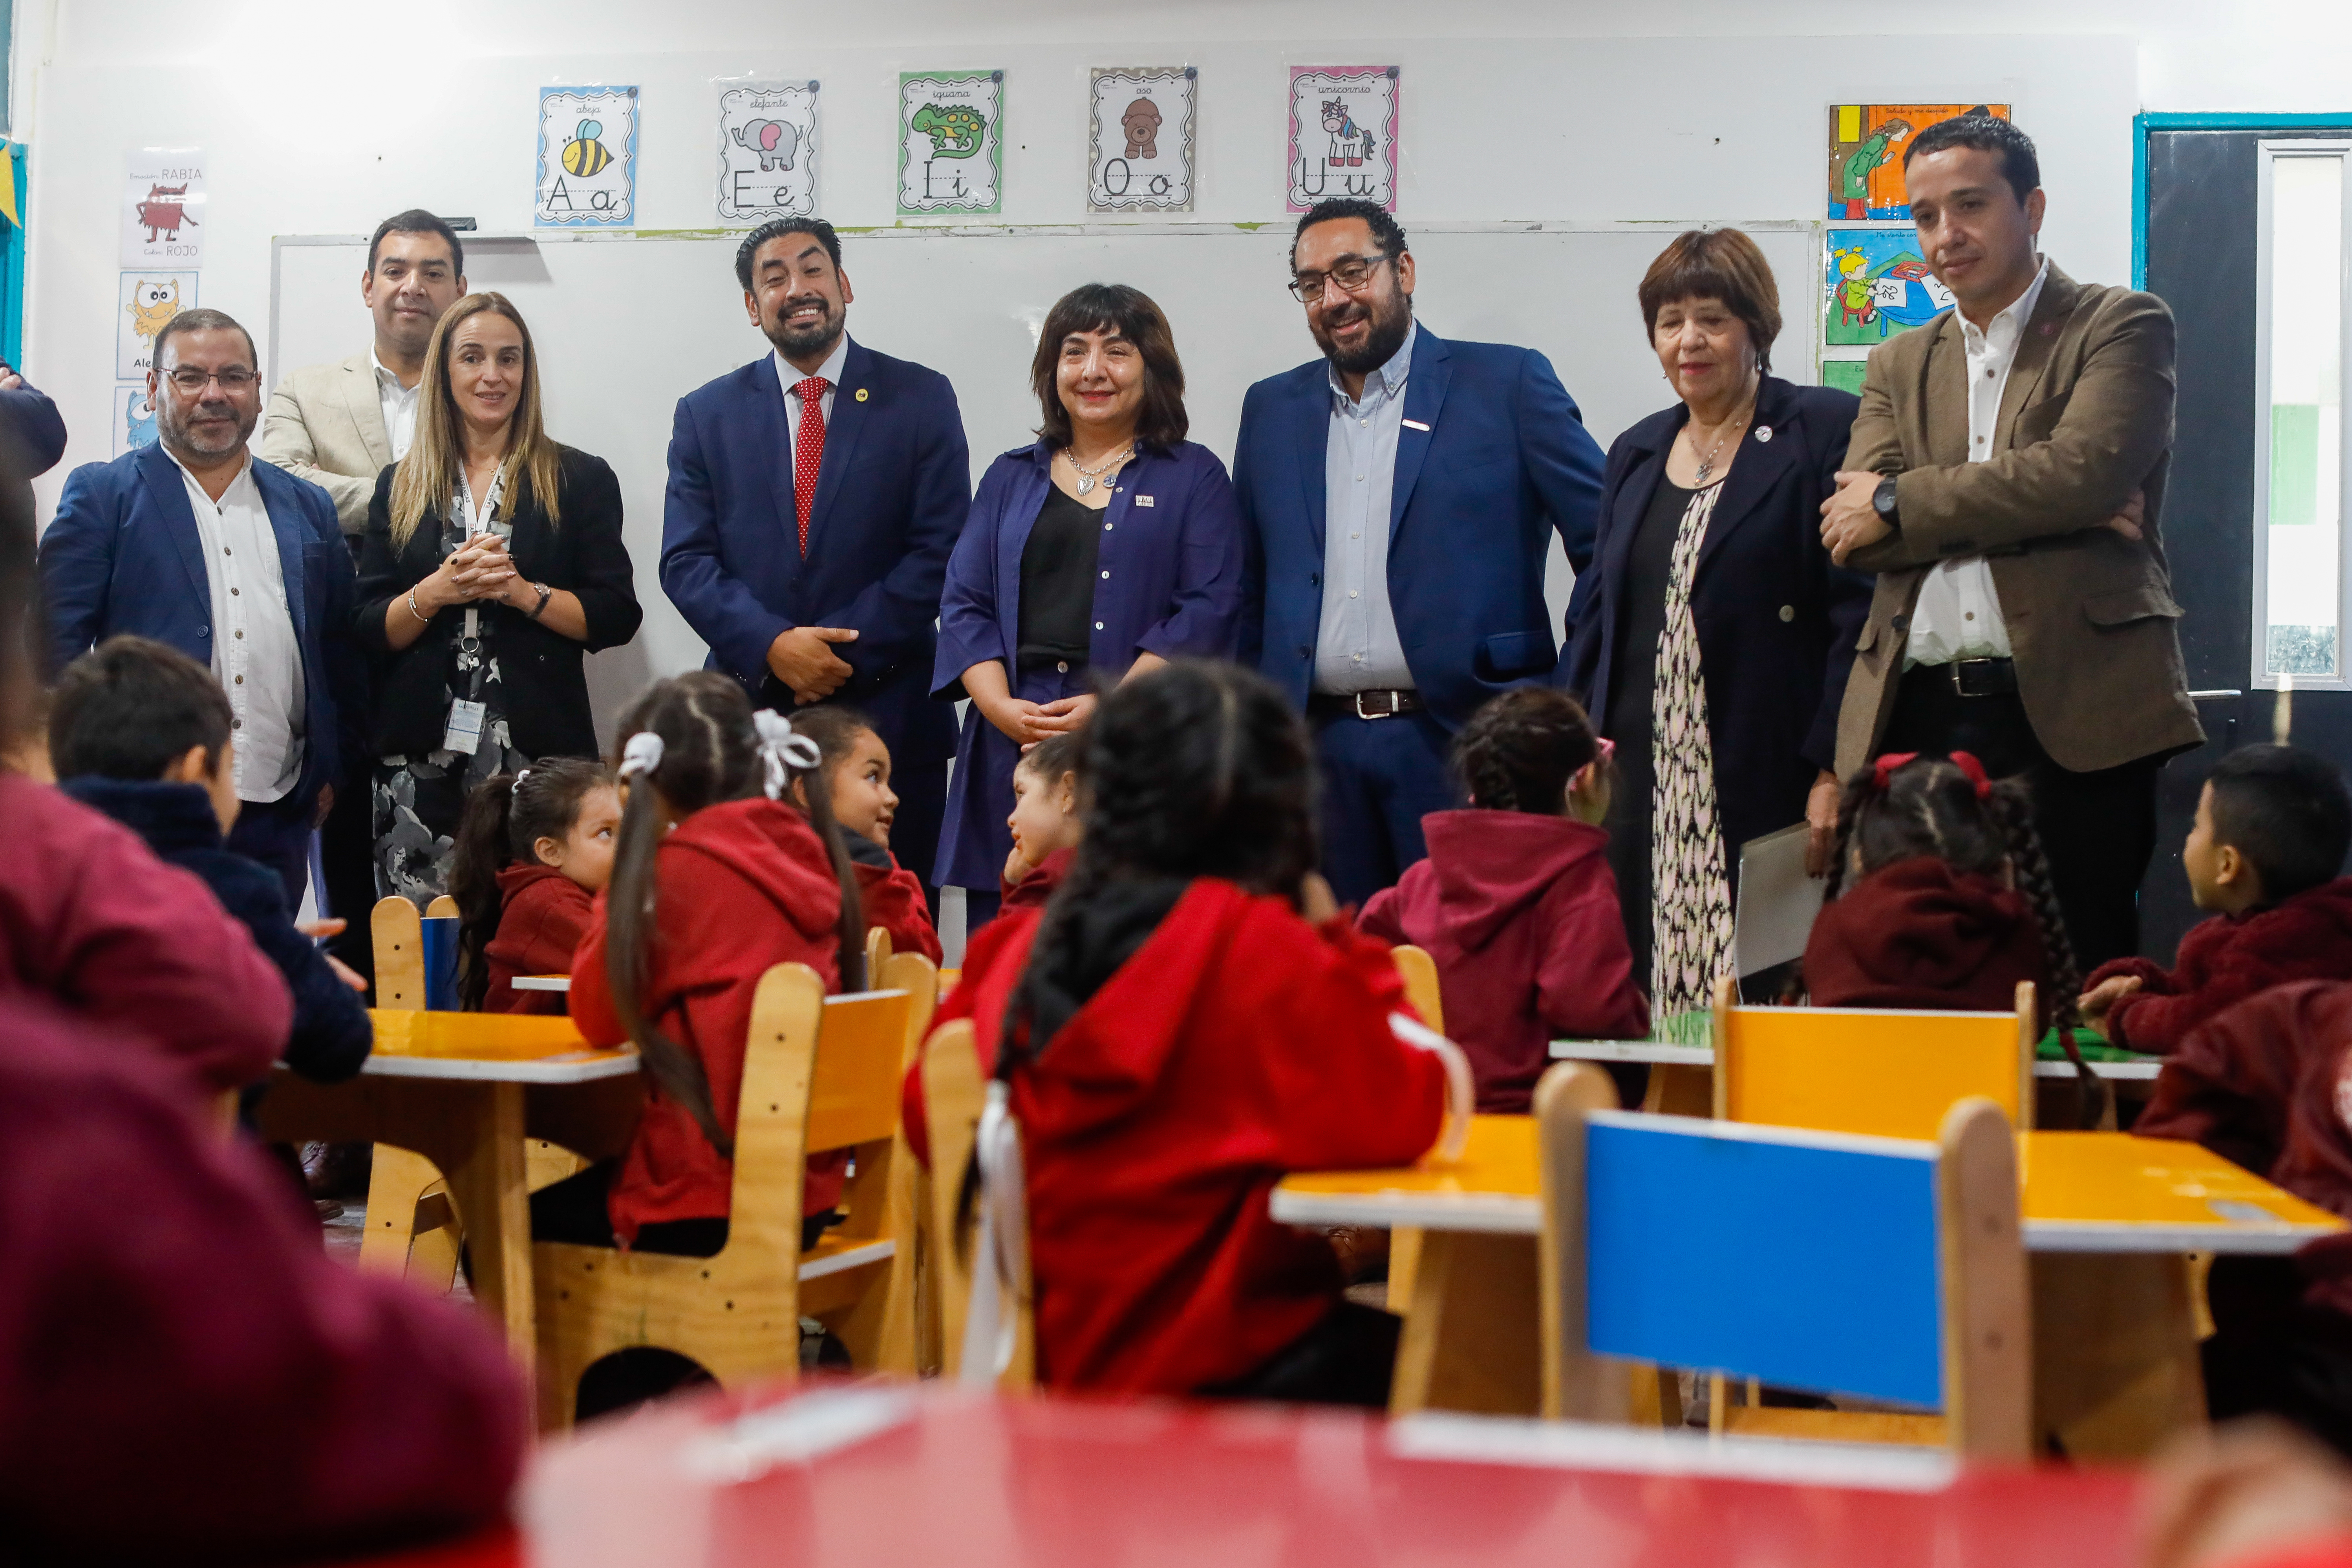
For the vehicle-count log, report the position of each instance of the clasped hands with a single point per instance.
(479, 571)
(1850, 520)
(1026, 723)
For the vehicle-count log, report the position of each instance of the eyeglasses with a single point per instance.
(1350, 273)
(191, 380)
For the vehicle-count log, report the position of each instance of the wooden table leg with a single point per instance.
(2115, 1367)
(487, 1176)
(1679, 1090)
(1470, 1337)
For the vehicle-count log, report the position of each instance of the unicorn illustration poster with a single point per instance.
(1343, 135)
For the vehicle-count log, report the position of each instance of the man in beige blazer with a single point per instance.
(2008, 469)
(338, 424)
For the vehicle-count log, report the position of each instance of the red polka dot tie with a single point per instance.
(808, 450)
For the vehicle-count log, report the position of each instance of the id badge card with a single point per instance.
(465, 732)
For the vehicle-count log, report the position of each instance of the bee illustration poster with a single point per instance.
(587, 157)
(1878, 285)
(1866, 153)
(134, 418)
(1343, 135)
(148, 300)
(950, 142)
(164, 209)
(1140, 144)
(767, 150)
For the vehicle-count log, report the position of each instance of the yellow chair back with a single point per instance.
(1419, 972)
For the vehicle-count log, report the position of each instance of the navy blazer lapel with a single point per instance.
(281, 511)
(1311, 442)
(851, 402)
(1424, 395)
(1756, 469)
(169, 486)
(774, 419)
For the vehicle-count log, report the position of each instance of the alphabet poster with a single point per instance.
(1343, 135)
(767, 151)
(951, 142)
(587, 157)
(1866, 142)
(1140, 145)
(164, 209)
(134, 418)
(148, 300)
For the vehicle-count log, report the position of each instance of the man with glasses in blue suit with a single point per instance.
(1400, 495)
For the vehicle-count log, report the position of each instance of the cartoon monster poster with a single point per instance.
(950, 142)
(164, 209)
(1878, 285)
(1343, 135)
(134, 418)
(147, 300)
(1866, 142)
(1141, 124)
(587, 158)
(767, 151)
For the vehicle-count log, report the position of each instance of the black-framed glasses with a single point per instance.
(191, 381)
(1349, 272)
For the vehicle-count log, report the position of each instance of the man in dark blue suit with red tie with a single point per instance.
(1400, 495)
(814, 496)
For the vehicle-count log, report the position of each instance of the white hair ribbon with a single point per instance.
(517, 789)
(783, 749)
(642, 754)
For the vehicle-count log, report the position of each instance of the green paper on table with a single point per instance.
(2093, 1047)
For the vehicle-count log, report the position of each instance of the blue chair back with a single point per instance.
(440, 932)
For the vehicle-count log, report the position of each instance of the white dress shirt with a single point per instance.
(399, 404)
(1356, 645)
(255, 655)
(790, 377)
(1958, 612)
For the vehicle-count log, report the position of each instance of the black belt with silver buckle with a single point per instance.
(1364, 704)
(1984, 677)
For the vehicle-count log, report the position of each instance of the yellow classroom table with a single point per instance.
(2108, 1219)
(468, 1091)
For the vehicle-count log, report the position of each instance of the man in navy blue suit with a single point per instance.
(240, 565)
(815, 495)
(1400, 495)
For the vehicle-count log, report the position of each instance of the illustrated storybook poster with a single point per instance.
(1866, 142)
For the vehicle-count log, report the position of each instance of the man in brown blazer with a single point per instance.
(2008, 467)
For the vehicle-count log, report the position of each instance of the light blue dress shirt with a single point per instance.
(1357, 647)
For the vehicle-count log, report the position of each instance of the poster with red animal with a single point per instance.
(164, 209)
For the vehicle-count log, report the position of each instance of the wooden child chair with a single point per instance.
(1890, 1270)
(877, 954)
(1418, 970)
(819, 1074)
(954, 1095)
(412, 1224)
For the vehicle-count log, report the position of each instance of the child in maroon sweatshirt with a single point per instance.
(1044, 820)
(534, 850)
(2272, 826)
(1515, 901)
(857, 766)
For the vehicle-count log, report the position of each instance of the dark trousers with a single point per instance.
(2097, 829)
(346, 857)
(1348, 1358)
(1381, 777)
(2272, 1353)
(922, 789)
(277, 834)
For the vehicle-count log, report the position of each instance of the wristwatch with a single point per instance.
(1882, 500)
(546, 593)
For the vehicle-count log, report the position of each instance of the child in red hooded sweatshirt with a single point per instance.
(1515, 901)
(1190, 1019)
(534, 850)
(857, 766)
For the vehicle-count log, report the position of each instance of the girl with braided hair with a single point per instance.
(1517, 901)
(1187, 1020)
(534, 850)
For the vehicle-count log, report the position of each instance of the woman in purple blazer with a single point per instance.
(1110, 547)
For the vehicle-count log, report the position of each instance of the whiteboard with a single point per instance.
(625, 324)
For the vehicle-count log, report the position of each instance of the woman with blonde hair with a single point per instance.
(492, 560)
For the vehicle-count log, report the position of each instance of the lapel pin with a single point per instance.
(1143, 500)
(1416, 425)
(1763, 432)
(861, 394)
(2049, 328)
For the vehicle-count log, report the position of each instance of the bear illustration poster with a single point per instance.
(164, 209)
(1142, 123)
(134, 418)
(767, 151)
(950, 142)
(587, 158)
(148, 300)
(1866, 142)
(1343, 135)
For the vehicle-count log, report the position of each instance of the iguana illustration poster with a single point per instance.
(951, 142)
(1866, 142)
(1343, 135)
(767, 151)
(164, 209)
(587, 158)
(1142, 123)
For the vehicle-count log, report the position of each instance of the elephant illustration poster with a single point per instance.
(767, 151)
(134, 418)
(164, 209)
(1866, 142)
(1140, 148)
(950, 142)
(587, 158)
(148, 300)
(1343, 135)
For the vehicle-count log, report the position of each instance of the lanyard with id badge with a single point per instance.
(468, 714)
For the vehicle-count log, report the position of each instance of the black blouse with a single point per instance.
(1057, 583)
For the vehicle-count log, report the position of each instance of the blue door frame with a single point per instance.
(2143, 123)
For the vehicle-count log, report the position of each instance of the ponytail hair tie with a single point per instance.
(642, 754)
(1967, 763)
(1886, 766)
(782, 751)
(519, 776)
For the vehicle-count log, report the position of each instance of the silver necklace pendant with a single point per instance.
(1085, 483)
(1706, 467)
